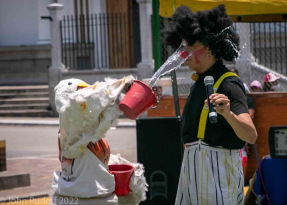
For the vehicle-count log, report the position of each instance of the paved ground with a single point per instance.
(33, 201)
(123, 122)
(33, 149)
(41, 172)
(26, 141)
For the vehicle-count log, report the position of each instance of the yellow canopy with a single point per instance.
(233, 7)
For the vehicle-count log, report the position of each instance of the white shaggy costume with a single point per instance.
(85, 116)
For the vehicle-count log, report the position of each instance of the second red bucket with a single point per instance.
(138, 99)
(122, 174)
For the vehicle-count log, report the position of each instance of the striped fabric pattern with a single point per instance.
(210, 175)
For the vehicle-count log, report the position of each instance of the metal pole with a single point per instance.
(93, 42)
(175, 93)
(174, 88)
(105, 38)
(156, 35)
(74, 43)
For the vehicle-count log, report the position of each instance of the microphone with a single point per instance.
(208, 82)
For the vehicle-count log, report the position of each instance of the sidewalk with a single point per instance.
(33, 121)
(41, 173)
(41, 168)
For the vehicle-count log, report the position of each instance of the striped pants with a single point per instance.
(210, 175)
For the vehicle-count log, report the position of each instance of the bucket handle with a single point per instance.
(156, 106)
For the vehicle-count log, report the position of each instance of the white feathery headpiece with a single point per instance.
(86, 114)
(63, 90)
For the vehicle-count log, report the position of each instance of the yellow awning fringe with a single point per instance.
(233, 7)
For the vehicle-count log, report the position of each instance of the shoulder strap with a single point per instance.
(205, 109)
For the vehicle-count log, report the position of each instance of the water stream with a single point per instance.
(172, 63)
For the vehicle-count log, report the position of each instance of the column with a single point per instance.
(146, 66)
(55, 70)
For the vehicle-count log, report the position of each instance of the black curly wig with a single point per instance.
(213, 28)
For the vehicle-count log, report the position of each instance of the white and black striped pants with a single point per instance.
(210, 175)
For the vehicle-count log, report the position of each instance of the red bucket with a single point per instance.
(122, 174)
(138, 99)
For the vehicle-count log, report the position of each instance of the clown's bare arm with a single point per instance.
(243, 127)
(242, 124)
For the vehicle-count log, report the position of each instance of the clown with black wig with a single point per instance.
(211, 170)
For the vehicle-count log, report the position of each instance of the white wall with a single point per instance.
(43, 24)
(97, 6)
(21, 23)
(18, 22)
(69, 8)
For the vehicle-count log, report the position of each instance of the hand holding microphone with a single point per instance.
(208, 82)
(218, 103)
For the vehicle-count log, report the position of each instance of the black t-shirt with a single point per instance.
(220, 133)
(250, 103)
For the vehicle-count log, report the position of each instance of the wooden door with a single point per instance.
(120, 33)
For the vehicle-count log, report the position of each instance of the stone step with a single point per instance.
(24, 101)
(25, 113)
(24, 95)
(11, 180)
(24, 89)
(42, 106)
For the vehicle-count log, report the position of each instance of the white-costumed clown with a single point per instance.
(86, 113)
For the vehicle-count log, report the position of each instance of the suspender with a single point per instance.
(205, 109)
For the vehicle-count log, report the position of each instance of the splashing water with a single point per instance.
(172, 63)
(233, 47)
(239, 52)
(244, 45)
(227, 28)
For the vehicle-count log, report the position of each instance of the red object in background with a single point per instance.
(122, 174)
(183, 54)
(138, 99)
(244, 158)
